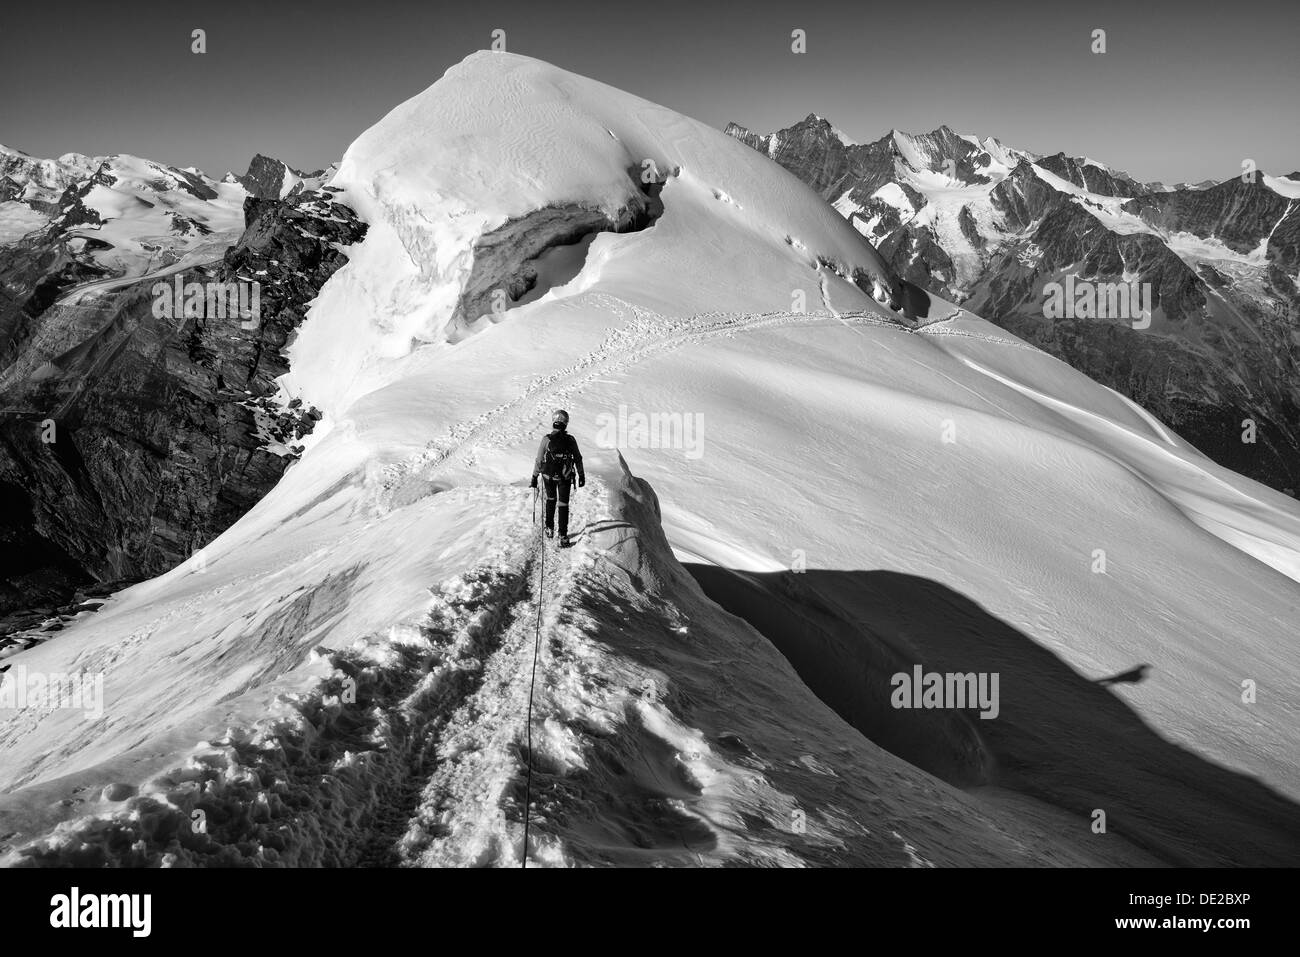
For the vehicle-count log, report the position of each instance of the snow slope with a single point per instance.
(440, 171)
(343, 676)
(131, 217)
(151, 215)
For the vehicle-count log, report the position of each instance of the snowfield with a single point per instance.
(149, 219)
(343, 678)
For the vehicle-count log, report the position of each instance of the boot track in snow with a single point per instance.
(411, 753)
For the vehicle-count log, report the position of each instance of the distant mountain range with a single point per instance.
(989, 227)
(180, 427)
(358, 648)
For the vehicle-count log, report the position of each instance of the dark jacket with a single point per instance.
(558, 441)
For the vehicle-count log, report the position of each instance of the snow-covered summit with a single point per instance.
(342, 676)
(501, 137)
(141, 215)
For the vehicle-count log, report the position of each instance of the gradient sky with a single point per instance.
(1186, 90)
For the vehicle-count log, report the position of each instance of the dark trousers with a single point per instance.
(557, 492)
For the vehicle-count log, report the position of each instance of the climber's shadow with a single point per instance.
(1131, 677)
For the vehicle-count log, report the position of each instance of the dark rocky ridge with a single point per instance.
(265, 177)
(159, 424)
(1240, 215)
(1223, 346)
(1094, 179)
(816, 154)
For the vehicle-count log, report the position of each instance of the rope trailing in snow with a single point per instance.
(537, 643)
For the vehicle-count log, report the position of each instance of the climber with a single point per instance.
(558, 463)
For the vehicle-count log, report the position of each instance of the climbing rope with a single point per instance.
(532, 682)
(537, 643)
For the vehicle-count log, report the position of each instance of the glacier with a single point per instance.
(342, 678)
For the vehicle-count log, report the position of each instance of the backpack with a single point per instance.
(558, 463)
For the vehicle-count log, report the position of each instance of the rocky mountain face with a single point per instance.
(997, 230)
(128, 438)
(38, 182)
(269, 178)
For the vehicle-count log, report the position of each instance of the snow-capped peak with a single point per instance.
(344, 675)
(544, 139)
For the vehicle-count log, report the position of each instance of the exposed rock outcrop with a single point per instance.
(505, 260)
(269, 178)
(129, 441)
(1223, 346)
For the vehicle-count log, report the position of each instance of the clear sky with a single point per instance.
(1185, 91)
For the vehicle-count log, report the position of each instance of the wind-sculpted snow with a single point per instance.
(331, 779)
(501, 137)
(995, 229)
(409, 749)
(356, 650)
(642, 336)
(505, 259)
